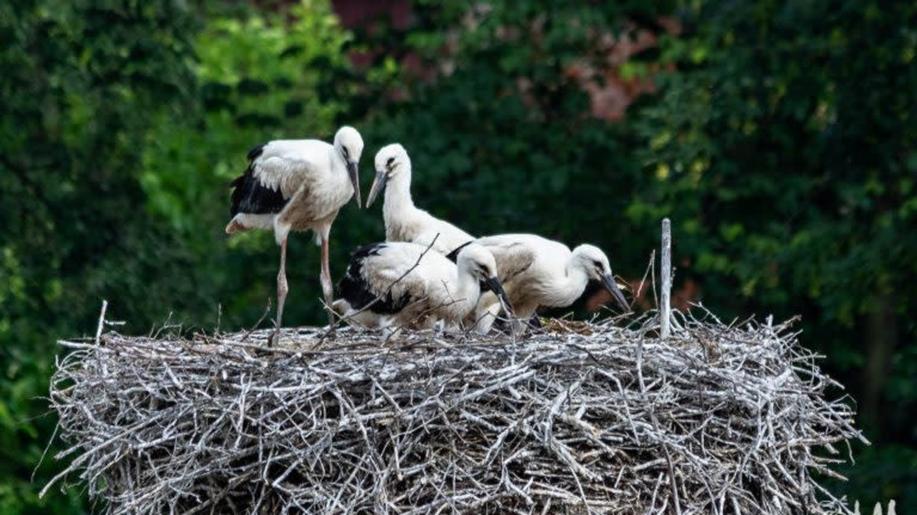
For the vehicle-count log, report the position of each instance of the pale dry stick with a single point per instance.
(267, 311)
(665, 274)
(649, 268)
(167, 325)
(101, 321)
(44, 453)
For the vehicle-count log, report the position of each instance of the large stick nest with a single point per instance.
(714, 419)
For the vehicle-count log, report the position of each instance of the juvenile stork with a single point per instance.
(297, 185)
(403, 220)
(538, 272)
(407, 285)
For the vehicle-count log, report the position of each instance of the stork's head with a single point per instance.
(478, 262)
(594, 262)
(391, 161)
(349, 145)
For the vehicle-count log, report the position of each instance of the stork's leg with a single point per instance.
(282, 290)
(535, 322)
(327, 285)
(524, 314)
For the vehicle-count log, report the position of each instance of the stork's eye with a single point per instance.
(390, 161)
(346, 152)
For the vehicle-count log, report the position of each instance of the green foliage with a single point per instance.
(780, 148)
(505, 126)
(74, 77)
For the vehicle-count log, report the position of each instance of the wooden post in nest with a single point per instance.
(665, 274)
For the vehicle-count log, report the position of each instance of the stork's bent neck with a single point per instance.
(339, 174)
(568, 289)
(469, 290)
(338, 165)
(398, 194)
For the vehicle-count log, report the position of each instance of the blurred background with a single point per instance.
(780, 137)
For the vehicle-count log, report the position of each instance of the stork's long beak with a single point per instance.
(354, 173)
(493, 284)
(378, 186)
(608, 281)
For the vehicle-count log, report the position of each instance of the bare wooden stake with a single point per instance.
(101, 325)
(665, 274)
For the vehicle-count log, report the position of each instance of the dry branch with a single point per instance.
(718, 419)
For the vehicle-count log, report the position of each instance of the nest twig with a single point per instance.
(604, 419)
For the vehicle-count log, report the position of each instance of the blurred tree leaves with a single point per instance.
(785, 146)
(75, 78)
(504, 124)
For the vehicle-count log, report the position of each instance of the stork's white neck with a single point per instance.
(468, 291)
(338, 165)
(339, 172)
(398, 193)
(566, 290)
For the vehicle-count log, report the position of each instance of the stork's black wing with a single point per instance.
(359, 293)
(250, 196)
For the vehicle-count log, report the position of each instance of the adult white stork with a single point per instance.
(407, 285)
(403, 220)
(297, 185)
(538, 272)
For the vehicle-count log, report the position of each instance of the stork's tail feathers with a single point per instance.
(341, 307)
(234, 226)
(238, 191)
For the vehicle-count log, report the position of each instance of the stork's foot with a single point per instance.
(274, 338)
(332, 320)
(535, 322)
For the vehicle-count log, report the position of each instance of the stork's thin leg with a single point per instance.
(327, 285)
(282, 290)
(535, 322)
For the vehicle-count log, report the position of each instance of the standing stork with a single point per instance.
(402, 284)
(403, 220)
(297, 185)
(540, 272)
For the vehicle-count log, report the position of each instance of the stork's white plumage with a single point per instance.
(403, 220)
(538, 272)
(297, 185)
(401, 284)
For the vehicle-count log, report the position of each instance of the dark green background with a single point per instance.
(781, 138)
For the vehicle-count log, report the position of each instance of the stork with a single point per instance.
(297, 185)
(403, 220)
(402, 284)
(540, 272)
